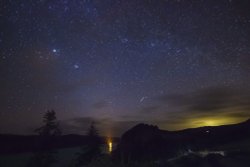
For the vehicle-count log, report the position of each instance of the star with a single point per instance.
(152, 44)
(76, 66)
(124, 40)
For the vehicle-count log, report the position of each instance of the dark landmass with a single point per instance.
(140, 142)
(149, 142)
(12, 144)
(147, 145)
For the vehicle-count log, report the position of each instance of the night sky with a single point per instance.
(173, 63)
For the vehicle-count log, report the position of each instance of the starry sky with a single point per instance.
(173, 63)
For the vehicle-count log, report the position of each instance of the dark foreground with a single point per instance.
(235, 155)
(147, 146)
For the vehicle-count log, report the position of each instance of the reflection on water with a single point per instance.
(199, 153)
(110, 146)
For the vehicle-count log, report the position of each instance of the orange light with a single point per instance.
(110, 145)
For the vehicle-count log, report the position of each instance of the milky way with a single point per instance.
(174, 63)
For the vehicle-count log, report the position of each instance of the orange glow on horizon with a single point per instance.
(213, 121)
(203, 121)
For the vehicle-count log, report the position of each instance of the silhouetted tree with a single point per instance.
(45, 155)
(93, 148)
(94, 141)
(51, 127)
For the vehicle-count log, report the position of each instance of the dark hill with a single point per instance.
(149, 142)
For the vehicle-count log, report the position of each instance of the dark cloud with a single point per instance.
(207, 99)
(149, 109)
(106, 126)
(240, 114)
(212, 99)
(204, 107)
(76, 125)
(174, 99)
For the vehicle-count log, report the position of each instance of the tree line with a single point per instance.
(45, 156)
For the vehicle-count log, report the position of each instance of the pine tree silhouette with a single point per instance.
(93, 148)
(45, 156)
(51, 127)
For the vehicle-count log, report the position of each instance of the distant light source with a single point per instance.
(210, 123)
(110, 145)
